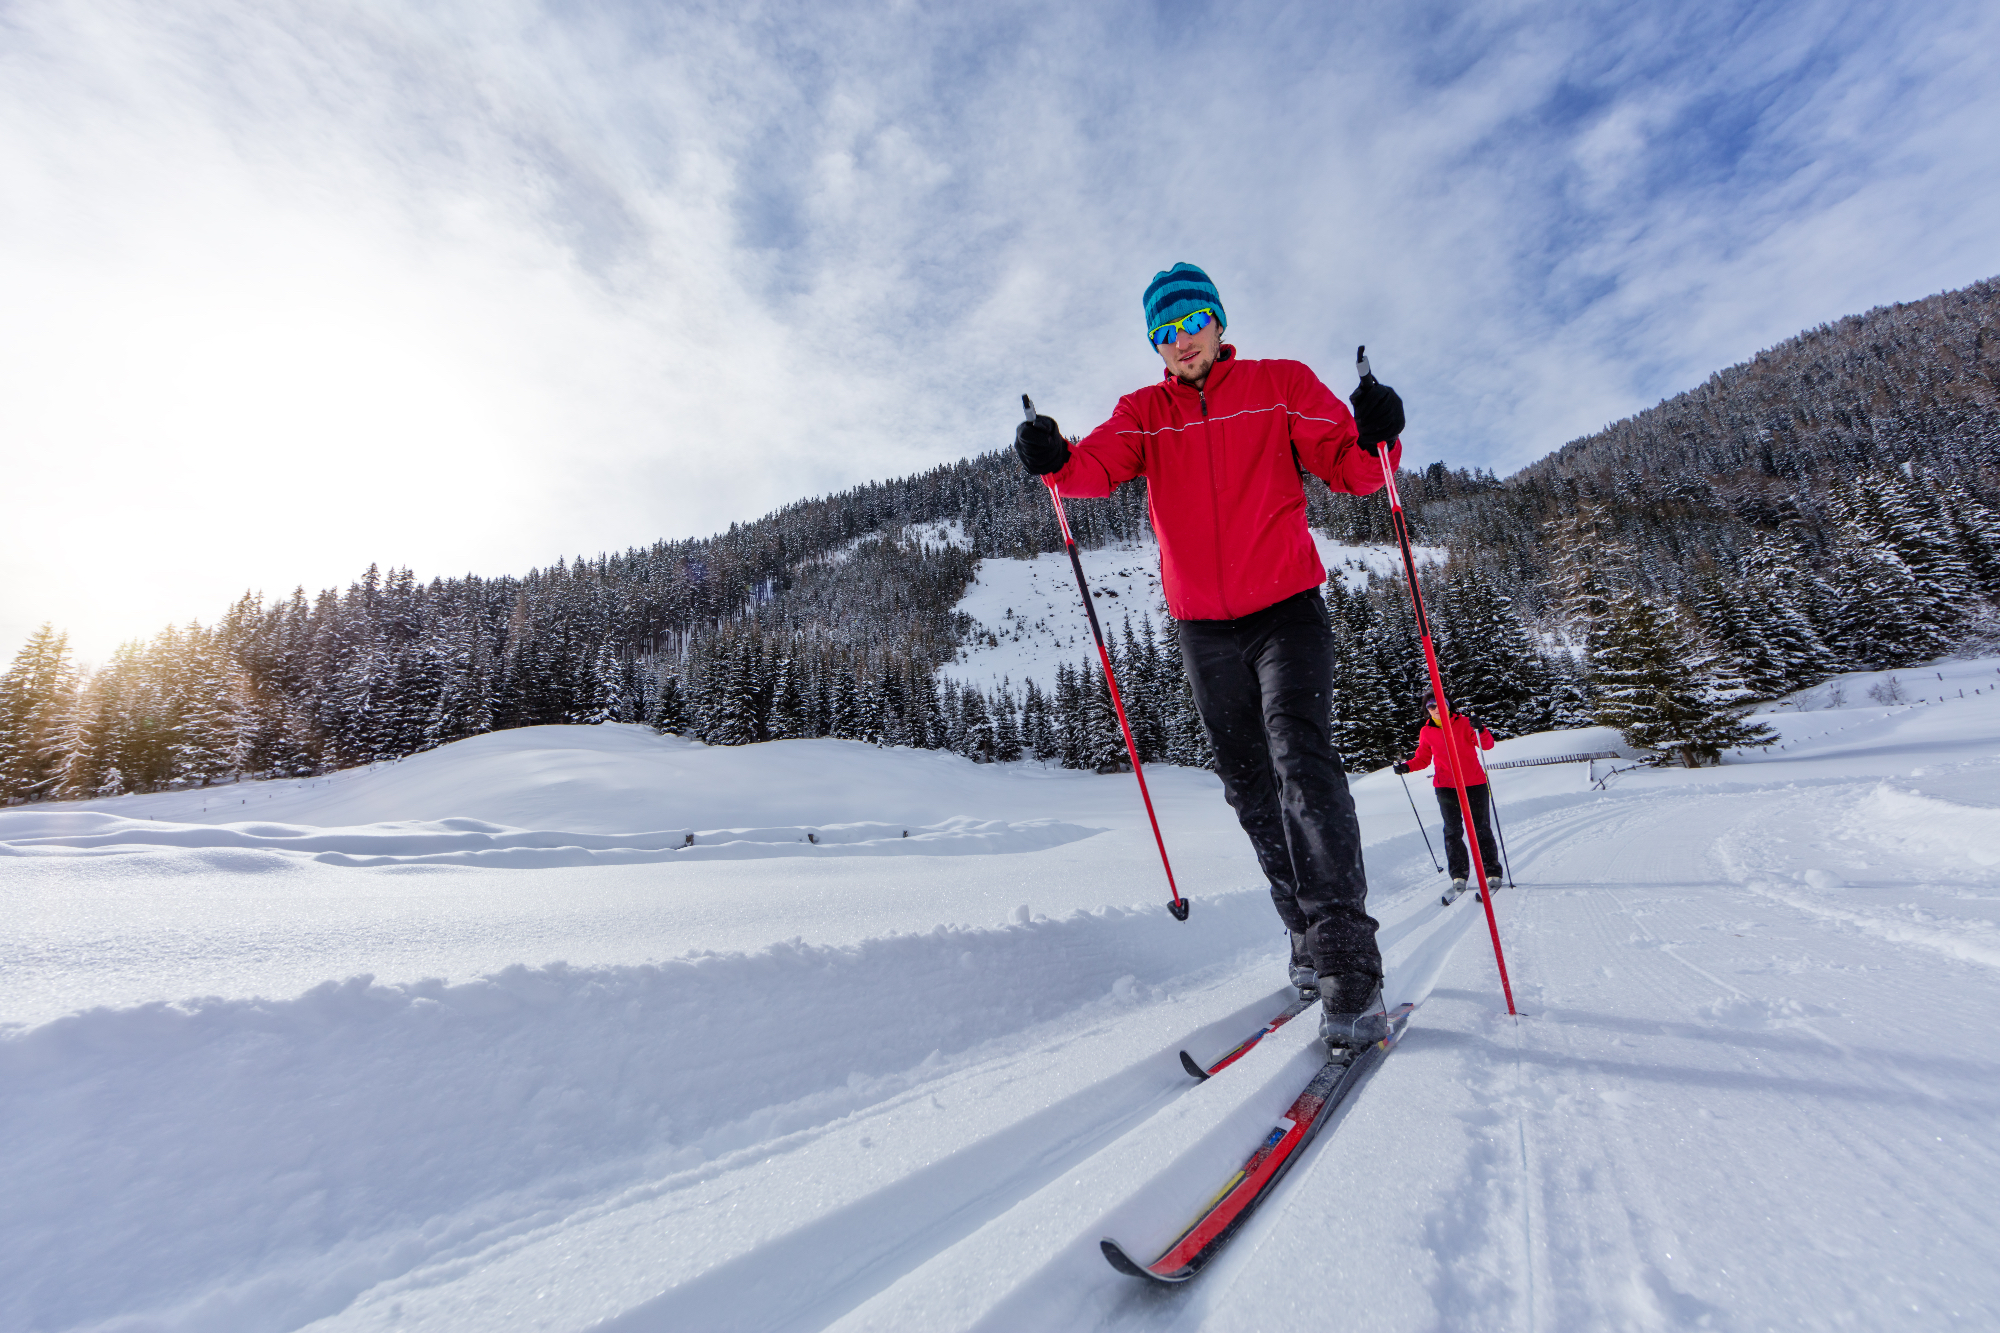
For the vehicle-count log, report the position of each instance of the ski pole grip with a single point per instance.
(1360, 365)
(1028, 406)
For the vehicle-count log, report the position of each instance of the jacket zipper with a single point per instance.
(1214, 504)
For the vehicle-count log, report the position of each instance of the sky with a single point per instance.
(289, 288)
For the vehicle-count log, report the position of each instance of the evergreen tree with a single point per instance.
(976, 728)
(1367, 726)
(734, 717)
(1973, 531)
(847, 720)
(37, 695)
(1588, 564)
(1007, 743)
(1883, 617)
(1486, 655)
(600, 704)
(668, 713)
(1662, 690)
(789, 719)
(1571, 702)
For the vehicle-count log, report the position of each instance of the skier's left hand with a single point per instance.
(1041, 446)
(1378, 414)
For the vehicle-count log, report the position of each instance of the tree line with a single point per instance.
(1827, 506)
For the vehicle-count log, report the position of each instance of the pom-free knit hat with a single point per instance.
(1177, 292)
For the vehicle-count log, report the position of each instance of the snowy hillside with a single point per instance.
(477, 1041)
(1027, 615)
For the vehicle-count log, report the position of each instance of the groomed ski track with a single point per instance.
(1698, 1115)
(1753, 1085)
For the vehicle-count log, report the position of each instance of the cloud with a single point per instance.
(295, 287)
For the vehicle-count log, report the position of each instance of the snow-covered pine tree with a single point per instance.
(875, 716)
(1570, 701)
(1588, 565)
(1974, 533)
(847, 723)
(788, 703)
(37, 694)
(604, 689)
(1486, 654)
(926, 712)
(1007, 745)
(1187, 739)
(975, 730)
(1883, 617)
(1367, 725)
(1038, 739)
(1107, 738)
(668, 712)
(1663, 690)
(204, 721)
(1072, 718)
(734, 714)
(464, 704)
(1729, 620)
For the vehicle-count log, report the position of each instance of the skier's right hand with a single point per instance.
(1401, 769)
(1041, 446)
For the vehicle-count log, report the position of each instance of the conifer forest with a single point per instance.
(1832, 504)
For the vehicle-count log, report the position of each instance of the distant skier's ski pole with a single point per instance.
(1493, 808)
(1420, 824)
(1178, 907)
(1402, 527)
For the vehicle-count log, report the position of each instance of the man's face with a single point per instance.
(1190, 355)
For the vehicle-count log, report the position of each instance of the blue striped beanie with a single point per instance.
(1179, 291)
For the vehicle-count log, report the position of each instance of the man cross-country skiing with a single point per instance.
(1220, 441)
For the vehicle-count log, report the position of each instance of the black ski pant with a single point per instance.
(1455, 854)
(1264, 687)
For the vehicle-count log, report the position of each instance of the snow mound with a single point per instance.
(611, 779)
(389, 1126)
(471, 842)
(1929, 828)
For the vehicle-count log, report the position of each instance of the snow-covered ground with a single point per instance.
(466, 1043)
(1027, 615)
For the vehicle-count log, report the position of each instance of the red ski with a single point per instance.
(1226, 1211)
(1242, 1048)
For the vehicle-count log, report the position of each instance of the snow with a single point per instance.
(466, 1042)
(1027, 614)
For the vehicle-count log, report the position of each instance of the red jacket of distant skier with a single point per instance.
(1464, 742)
(1222, 479)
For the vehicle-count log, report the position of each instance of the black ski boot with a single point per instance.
(1304, 975)
(1352, 1014)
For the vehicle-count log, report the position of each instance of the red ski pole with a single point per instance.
(1402, 527)
(1178, 907)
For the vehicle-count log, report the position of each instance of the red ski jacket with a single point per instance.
(1222, 479)
(1464, 742)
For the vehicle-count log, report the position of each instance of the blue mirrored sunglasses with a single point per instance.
(1194, 323)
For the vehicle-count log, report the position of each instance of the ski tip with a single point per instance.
(1189, 1063)
(1131, 1267)
(1121, 1261)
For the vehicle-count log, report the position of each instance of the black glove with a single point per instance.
(1378, 414)
(1041, 446)
(1401, 768)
